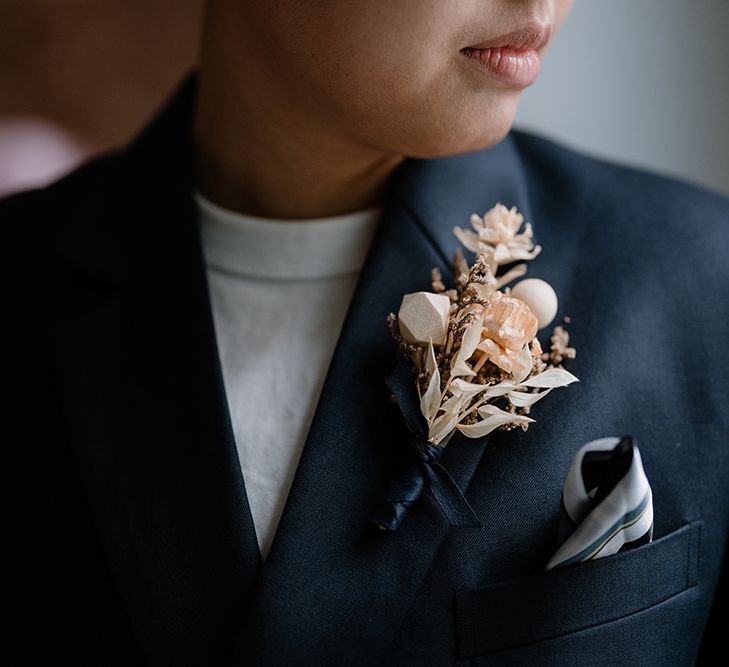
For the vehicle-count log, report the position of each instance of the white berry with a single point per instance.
(540, 297)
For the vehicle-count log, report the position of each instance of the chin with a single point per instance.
(465, 141)
(467, 133)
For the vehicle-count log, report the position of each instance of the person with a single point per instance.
(196, 352)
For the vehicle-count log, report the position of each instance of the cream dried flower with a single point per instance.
(497, 235)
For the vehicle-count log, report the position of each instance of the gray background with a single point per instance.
(642, 82)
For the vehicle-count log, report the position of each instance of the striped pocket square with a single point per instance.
(607, 504)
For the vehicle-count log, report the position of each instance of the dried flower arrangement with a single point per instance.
(473, 355)
(488, 352)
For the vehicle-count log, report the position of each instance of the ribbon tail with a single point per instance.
(401, 494)
(444, 490)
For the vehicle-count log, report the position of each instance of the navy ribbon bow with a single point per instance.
(426, 473)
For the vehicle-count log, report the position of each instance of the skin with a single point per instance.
(323, 99)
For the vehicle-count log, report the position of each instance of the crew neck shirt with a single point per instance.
(279, 293)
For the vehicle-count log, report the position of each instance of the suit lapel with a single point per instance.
(331, 584)
(143, 391)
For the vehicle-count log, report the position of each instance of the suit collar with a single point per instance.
(143, 391)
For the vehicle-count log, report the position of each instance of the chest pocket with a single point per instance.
(564, 600)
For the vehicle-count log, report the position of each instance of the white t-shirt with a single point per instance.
(279, 292)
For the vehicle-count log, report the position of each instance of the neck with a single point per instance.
(262, 153)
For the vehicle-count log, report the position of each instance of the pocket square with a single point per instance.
(607, 503)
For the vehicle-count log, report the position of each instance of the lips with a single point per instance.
(512, 58)
(532, 36)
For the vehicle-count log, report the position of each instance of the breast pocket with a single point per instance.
(565, 600)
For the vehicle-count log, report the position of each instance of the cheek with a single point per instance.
(403, 89)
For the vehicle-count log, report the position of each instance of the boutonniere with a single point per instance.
(469, 359)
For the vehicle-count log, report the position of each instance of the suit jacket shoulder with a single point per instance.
(600, 183)
(661, 224)
(42, 225)
(603, 179)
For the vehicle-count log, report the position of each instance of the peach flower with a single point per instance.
(509, 328)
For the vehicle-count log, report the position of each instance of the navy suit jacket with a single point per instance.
(131, 538)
